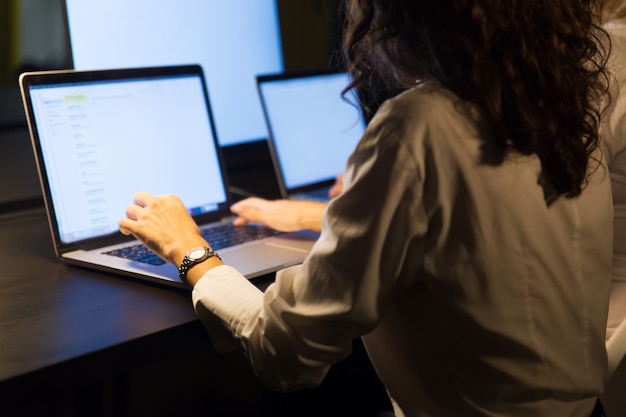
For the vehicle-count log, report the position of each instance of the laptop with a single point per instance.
(312, 129)
(99, 136)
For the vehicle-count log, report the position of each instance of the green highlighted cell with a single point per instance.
(74, 98)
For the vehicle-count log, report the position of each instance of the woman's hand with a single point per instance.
(163, 224)
(283, 215)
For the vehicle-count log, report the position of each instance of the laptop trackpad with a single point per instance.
(259, 259)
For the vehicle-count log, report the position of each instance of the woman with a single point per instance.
(471, 245)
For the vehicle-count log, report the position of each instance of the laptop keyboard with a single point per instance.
(220, 237)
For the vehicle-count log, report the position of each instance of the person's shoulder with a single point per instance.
(425, 111)
(428, 99)
(425, 106)
(427, 122)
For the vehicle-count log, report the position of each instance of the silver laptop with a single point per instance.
(312, 130)
(100, 136)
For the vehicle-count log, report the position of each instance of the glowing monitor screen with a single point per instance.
(233, 40)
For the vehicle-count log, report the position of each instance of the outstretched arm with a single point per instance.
(284, 215)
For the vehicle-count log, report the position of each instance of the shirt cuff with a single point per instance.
(225, 301)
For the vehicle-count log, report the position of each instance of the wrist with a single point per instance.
(197, 272)
(311, 218)
(183, 246)
(193, 259)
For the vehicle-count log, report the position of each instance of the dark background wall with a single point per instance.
(309, 33)
(32, 35)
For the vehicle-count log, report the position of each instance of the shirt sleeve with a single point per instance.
(225, 301)
(307, 319)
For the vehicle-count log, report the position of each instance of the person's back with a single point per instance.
(503, 310)
(489, 206)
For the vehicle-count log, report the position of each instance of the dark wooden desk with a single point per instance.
(62, 326)
(75, 342)
(50, 313)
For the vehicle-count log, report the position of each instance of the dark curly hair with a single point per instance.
(536, 68)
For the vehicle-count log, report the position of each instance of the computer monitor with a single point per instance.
(233, 40)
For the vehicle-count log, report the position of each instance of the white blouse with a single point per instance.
(472, 295)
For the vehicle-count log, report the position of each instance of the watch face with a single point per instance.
(197, 253)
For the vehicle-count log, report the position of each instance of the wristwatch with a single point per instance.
(194, 257)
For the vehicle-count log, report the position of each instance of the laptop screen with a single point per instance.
(232, 40)
(103, 140)
(312, 128)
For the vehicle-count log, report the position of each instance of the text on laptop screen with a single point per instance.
(103, 141)
(233, 40)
